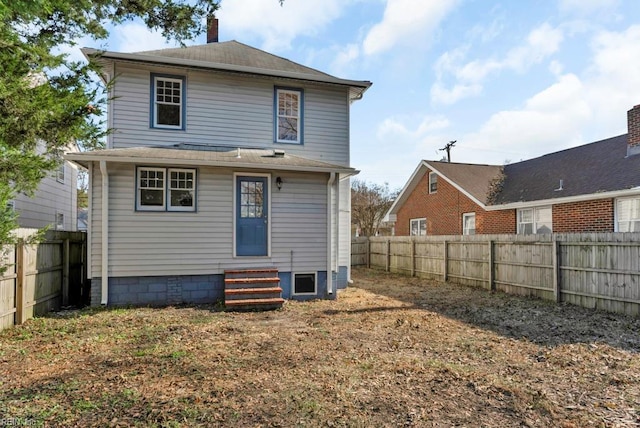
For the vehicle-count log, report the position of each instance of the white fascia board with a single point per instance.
(82, 158)
(569, 199)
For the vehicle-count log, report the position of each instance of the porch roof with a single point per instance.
(205, 155)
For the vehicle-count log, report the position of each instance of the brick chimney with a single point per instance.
(633, 126)
(212, 29)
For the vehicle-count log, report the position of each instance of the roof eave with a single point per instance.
(360, 85)
(84, 159)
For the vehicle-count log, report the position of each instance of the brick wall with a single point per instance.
(633, 126)
(585, 216)
(443, 211)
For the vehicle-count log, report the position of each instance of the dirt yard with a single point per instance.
(392, 351)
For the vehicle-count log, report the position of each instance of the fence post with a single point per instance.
(555, 251)
(492, 283)
(368, 255)
(21, 284)
(413, 256)
(388, 256)
(445, 262)
(66, 260)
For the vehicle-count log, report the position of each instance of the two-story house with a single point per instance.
(226, 163)
(590, 188)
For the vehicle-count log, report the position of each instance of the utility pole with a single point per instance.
(447, 148)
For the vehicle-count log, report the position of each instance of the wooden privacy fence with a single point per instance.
(42, 277)
(593, 270)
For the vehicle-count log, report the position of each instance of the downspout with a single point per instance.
(332, 179)
(337, 243)
(105, 234)
(89, 219)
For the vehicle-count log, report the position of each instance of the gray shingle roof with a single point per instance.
(195, 155)
(474, 179)
(235, 53)
(234, 57)
(602, 166)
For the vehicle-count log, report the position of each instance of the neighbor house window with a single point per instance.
(60, 173)
(418, 226)
(304, 283)
(535, 220)
(59, 221)
(166, 189)
(433, 182)
(288, 120)
(469, 224)
(628, 214)
(167, 102)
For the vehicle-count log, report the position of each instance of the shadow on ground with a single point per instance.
(538, 321)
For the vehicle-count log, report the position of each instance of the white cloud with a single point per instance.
(468, 77)
(277, 25)
(136, 37)
(344, 58)
(406, 21)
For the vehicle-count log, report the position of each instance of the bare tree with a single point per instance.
(369, 203)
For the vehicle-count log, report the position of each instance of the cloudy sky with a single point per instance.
(509, 80)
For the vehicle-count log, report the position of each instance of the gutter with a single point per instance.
(105, 234)
(332, 179)
(568, 199)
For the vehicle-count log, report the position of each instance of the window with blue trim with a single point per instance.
(167, 102)
(288, 106)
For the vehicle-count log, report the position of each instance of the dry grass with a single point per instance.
(392, 351)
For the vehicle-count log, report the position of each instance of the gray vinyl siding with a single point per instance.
(230, 110)
(168, 243)
(50, 198)
(345, 223)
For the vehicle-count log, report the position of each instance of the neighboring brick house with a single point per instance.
(590, 188)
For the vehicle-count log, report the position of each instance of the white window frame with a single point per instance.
(59, 221)
(293, 283)
(418, 220)
(534, 219)
(298, 117)
(617, 212)
(465, 230)
(155, 103)
(433, 180)
(60, 173)
(171, 207)
(166, 190)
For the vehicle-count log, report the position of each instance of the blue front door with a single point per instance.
(251, 216)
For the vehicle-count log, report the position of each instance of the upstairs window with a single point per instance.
(469, 224)
(288, 116)
(60, 173)
(628, 214)
(535, 220)
(166, 189)
(418, 226)
(168, 100)
(433, 182)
